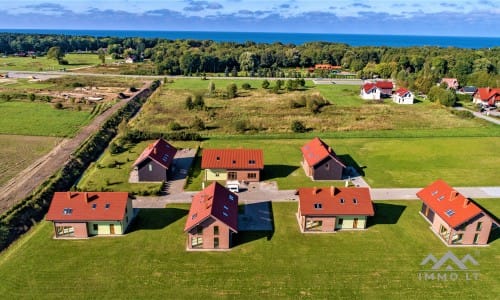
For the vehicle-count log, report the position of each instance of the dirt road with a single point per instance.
(30, 178)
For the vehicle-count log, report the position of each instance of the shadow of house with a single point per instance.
(386, 213)
(255, 222)
(494, 234)
(350, 162)
(277, 171)
(155, 219)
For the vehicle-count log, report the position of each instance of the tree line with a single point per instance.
(418, 68)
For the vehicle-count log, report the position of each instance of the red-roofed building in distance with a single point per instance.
(84, 214)
(155, 161)
(232, 164)
(332, 208)
(451, 83)
(455, 219)
(320, 161)
(487, 96)
(212, 219)
(376, 90)
(403, 96)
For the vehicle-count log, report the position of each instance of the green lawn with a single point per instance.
(18, 152)
(35, 118)
(43, 64)
(382, 262)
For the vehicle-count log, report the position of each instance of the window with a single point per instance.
(441, 198)
(216, 230)
(251, 162)
(225, 207)
(434, 193)
(194, 216)
(95, 227)
(65, 231)
(479, 226)
(199, 229)
(355, 201)
(217, 158)
(341, 200)
(252, 175)
(232, 175)
(476, 237)
(457, 238)
(196, 242)
(165, 157)
(94, 205)
(225, 214)
(234, 162)
(216, 242)
(107, 205)
(67, 211)
(318, 205)
(450, 212)
(327, 166)
(216, 174)
(231, 197)
(150, 168)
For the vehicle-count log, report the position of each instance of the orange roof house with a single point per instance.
(320, 161)
(456, 219)
(333, 208)
(84, 214)
(155, 161)
(232, 164)
(212, 219)
(487, 96)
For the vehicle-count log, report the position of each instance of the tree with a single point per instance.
(246, 86)
(232, 90)
(298, 127)
(211, 88)
(248, 61)
(55, 53)
(189, 103)
(32, 97)
(265, 84)
(198, 124)
(198, 102)
(102, 55)
(279, 84)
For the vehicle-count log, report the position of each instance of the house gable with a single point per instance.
(160, 151)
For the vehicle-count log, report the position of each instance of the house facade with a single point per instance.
(455, 219)
(487, 96)
(451, 83)
(376, 90)
(212, 220)
(232, 164)
(86, 214)
(332, 208)
(155, 161)
(403, 96)
(320, 161)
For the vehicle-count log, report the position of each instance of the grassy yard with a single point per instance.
(18, 152)
(382, 262)
(264, 112)
(43, 64)
(35, 118)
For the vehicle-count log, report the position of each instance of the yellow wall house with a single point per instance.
(84, 214)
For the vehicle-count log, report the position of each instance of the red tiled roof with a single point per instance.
(454, 208)
(214, 201)
(401, 92)
(159, 151)
(490, 95)
(385, 84)
(316, 150)
(368, 86)
(335, 201)
(87, 206)
(232, 159)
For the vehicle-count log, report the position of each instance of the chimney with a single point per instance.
(154, 150)
(466, 202)
(453, 195)
(329, 149)
(69, 195)
(315, 190)
(86, 196)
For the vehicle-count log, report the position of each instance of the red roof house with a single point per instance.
(84, 214)
(456, 219)
(232, 164)
(320, 161)
(403, 96)
(333, 208)
(487, 96)
(376, 90)
(212, 219)
(155, 161)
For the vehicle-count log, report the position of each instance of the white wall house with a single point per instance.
(369, 91)
(403, 96)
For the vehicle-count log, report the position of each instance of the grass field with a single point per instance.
(382, 262)
(18, 152)
(35, 118)
(269, 113)
(43, 64)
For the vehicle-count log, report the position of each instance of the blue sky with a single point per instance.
(415, 17)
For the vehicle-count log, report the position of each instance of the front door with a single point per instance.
(111, 228)
(355, 223)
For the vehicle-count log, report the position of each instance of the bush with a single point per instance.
(246, 86)
(232, 90)
(58, 105)
(463, 114)
(32, 97)
(298, 127)
(241, 126)
(198, 124)
(265, 84)
(77, 84)
(174, 126)
(198, 102)
(116, 148)
(189, 103)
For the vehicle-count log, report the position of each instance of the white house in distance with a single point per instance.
(403, 96)
(376, 90)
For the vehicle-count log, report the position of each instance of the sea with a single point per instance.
(287, 38)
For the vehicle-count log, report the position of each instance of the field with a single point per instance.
(382, 262)
(264, 112)
(18, 152)
(13, 63)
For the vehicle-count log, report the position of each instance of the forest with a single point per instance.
(418, 68)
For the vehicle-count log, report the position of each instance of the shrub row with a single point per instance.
(32, 209)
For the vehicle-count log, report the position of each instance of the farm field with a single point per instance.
(265, 112)
(385, 162)
(13, 63)
(150, 261)
(18, 152)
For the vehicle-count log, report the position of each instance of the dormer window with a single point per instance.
(194, 216)
(355, 201)
(67, 211)
(107, 205)
(217, 158)
(450, 212)
(318, 206)
(94, 205)
(342, 201)
(251, 162)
